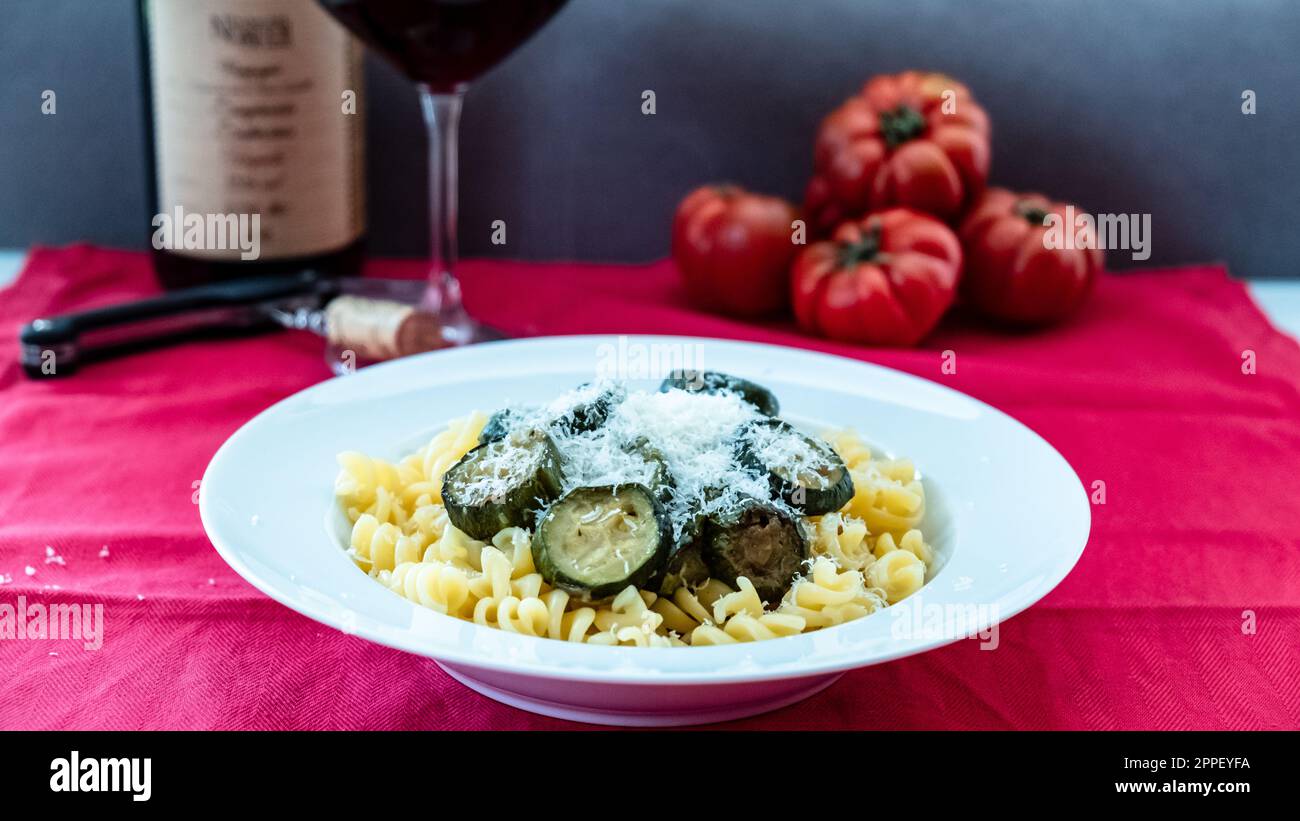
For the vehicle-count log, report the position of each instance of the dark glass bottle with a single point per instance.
(254, 125)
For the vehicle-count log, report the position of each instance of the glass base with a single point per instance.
(442, 299)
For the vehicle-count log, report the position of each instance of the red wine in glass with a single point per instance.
(443, 45)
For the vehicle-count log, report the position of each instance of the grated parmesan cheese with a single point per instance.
(798, 458)
(498, 470)
(694, 432)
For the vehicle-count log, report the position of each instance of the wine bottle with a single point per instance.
(255, 128)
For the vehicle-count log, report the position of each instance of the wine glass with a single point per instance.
(443, 45)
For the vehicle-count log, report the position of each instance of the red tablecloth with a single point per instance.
(1184, 611)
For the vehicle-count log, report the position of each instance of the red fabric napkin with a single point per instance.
(1184, 611)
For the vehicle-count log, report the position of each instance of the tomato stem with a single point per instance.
(900, 125)
(866, 249)
(1034, 214)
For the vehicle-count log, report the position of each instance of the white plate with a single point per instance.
(1007, 517)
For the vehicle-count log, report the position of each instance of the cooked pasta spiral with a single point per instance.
(887, 493)
(389, 492)
(842, 539)
(630, 620)
(374, 544)
(828, 596)
(436, 585)
(898, 574)
(912, 541)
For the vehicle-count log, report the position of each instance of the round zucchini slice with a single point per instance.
(685, 566)
(714, 382)
(589, 413)
(502, 483)
(759, 541)
(498, 426)
(660, 479)
(595, 541)
(803, 472)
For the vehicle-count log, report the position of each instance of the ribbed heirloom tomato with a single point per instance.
(1011, 273)
(915, 139)
(884, 280)
(733, 249)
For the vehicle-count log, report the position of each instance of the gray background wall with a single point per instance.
(1120, 105)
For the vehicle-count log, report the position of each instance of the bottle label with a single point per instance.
(256, 115)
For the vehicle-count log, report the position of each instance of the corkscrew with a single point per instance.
(362, 320)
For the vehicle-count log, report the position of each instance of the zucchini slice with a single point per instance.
(595, 541)
(498, 426)
(714, 382)
(660, 479)
(685, 567)
(803, 472)
(759, 541)
(502, 483)
(589, 413)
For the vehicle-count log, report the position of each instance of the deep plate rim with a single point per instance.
(629, 665)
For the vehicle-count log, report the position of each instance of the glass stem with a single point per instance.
(442, 117)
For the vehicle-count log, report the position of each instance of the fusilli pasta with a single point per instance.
(867, 555)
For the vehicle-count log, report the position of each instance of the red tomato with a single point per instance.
(884, 280)
(733, 249)
(915, 139)
(1011, 274)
